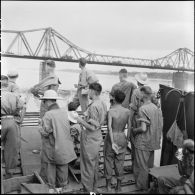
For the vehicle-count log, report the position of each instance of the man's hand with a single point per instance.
(115, 148)
(39, 122)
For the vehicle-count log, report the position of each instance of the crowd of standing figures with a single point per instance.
(132, 107)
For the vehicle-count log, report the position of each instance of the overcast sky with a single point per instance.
(132, 29)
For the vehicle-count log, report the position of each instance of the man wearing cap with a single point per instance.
(10, 108)
(91, 138)
(86, 77)
(12, 86)
(186, 169)
(51, 81)
(57, 145)
(147, 138)
(125, 86)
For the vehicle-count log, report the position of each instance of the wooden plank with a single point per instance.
(39, 178)
(13, 184)
(128, 178)
(35, 188)
(168, 171)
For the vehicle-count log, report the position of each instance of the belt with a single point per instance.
(7, 116)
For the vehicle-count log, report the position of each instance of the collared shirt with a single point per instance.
(10, 103)
(57, 144)
(13, 87)
(136, 102)
(86, 77)
(127, 88)
(150, 139)
(97, 112)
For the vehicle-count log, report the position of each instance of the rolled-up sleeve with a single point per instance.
(134, 103)
(93, 116)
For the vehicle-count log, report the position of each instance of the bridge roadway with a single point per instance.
(95, 62)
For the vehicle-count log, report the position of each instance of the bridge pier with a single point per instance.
(180, 80)
(42, 70)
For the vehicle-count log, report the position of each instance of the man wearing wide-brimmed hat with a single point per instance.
(57, 145)
(51, 81)
(86, 77)
(13, 87)
(10, 109)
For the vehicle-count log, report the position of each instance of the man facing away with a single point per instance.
(57, 145)
(86, 77)
(51, 81)
(91, 138)
(116, 142)
(146, 138)
(10, 109)
(125, 86)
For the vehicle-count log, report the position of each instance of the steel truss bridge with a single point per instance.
(55, 46)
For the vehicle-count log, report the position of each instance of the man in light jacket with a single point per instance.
(57, 145)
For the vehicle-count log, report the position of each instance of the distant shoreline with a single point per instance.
(151, 75)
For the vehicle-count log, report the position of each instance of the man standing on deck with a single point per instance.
(115, 143)
(50, 82)
(135, 104)
(12, 86)
(147, 138)
(86, 77)
(91, 138)
(57, 146)
(125, 86)
(10, 108)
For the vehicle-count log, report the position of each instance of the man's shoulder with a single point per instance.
(8, 93)
(149, 107)
(120, 109)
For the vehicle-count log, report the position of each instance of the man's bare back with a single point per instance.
(120, 117)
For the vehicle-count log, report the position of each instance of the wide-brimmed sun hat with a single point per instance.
(12, 74)
(141, 78)
(72, 115)
(51, 95)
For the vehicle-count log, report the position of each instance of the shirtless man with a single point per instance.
(116, 142)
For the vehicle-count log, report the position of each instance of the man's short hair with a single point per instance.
(123, 70)
(82, 61)
(96, 87)
(119, 96)
(147, 90)
(51, 63)
(72, 106)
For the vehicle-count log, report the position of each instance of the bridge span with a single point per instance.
(55, 46)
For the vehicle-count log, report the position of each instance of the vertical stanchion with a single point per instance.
(2, 190)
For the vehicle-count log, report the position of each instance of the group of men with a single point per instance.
(131, 107)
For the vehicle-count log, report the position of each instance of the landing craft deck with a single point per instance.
(30, 161)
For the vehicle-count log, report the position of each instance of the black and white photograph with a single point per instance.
(97, 97)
